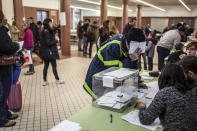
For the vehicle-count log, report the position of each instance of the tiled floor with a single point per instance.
(45, 107)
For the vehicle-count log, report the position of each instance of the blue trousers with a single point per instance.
(5, 87)
(31, 67)
(162, 54)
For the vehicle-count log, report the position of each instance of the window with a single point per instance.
(42, 15)
(75, 17)
(187, 20)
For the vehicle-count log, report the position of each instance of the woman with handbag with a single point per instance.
(48, 51)
(29, 45)
(7, 53)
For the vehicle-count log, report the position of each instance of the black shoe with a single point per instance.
(29, 73)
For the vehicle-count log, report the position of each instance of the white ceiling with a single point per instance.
(134, 2)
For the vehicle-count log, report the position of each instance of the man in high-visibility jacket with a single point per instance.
(114, 53)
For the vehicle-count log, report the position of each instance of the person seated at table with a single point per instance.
(170, 104)
(191, 50)
(189, 65)
(175, 57)
(114, 53)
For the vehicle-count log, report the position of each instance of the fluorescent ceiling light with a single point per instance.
(85, 9)
(98, 3)
(156, 7)
(185, 5)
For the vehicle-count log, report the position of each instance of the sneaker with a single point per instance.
(13, 117)
(29, 73)
(45, 83)
(9, 124)
(60, 82)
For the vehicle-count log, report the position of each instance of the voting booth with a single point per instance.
(115, 88)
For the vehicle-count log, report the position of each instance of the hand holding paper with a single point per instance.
(135, 45)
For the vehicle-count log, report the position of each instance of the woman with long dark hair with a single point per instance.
(48, 51)
(170, 104)
(7, 50)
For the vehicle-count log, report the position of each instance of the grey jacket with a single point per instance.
(169, 39)
(173, 109)
(150, 49)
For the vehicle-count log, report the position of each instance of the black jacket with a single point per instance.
(35, 32)
(85, 28)
(174, 57)
(127, 28)
(48, 45)
(7, 47)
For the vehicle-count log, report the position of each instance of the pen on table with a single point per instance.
(111, 118)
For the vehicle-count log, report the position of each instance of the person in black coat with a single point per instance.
(48, 50)
(130, 25)
(35, 31)
(7, 47)
(175, 57)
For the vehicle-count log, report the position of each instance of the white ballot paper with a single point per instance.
(66, 126)
(147, 78)
(145, 74)
(108, 81)
(20, 45)
(134, 45)
(120, 73)
(152, 91)
(133, 118)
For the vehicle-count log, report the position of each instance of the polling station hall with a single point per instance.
(98, 65)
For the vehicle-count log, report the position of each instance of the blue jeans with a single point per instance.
(150, 63)
(31, 67)
(5, 87)
(162, 54)
(79, 44)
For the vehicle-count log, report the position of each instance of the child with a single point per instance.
(150, 50)
(175, 57)
(170, 104)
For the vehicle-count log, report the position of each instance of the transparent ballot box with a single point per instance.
(115, 88)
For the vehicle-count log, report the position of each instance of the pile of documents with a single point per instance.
(66, 126)
(133, 118)
(114, 99)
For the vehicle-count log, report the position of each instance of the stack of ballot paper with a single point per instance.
(120, 73)
(133, 118)
(153, 89)
(147, 78)
(66, 126)
(114, 99)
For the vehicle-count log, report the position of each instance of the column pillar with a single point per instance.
(103, 11)
(1, 5)
(125, 14)
(65, 27)
(139, 18)
(18, 13)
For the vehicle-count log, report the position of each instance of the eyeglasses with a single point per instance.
(191, 49)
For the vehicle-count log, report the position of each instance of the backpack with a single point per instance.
(91, 34)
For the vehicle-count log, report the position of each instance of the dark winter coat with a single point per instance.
(127, 28)
(7, 47)
(85, 28)
(173, 109)
(103, 37)
(35, 32)
(92, 33)
(48, 45)
(175, 57)
(79, 31)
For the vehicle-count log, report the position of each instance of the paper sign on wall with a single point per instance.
(63, 18)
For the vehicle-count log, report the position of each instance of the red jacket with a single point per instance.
(28, 38)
